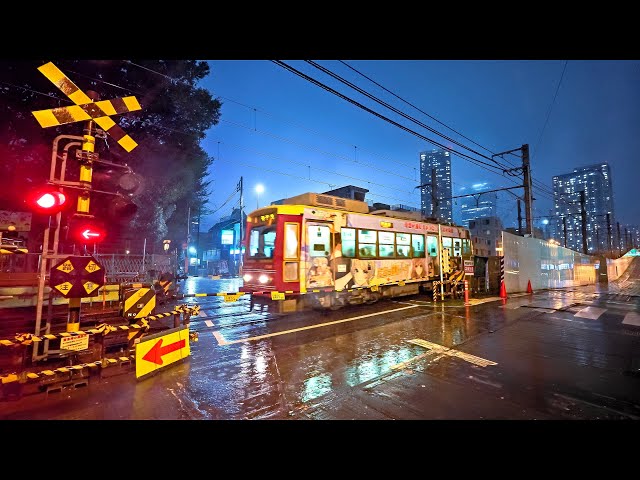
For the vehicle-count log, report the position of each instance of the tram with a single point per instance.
(321, 251)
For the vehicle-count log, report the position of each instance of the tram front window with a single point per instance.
(262, 242)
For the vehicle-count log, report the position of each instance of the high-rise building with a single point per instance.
(595, 182)
(435, 199)
(479, 205)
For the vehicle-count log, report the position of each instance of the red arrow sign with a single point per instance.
(88, 233)
(158, 351)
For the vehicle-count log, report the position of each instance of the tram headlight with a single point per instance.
(263, 278)
(246, 277)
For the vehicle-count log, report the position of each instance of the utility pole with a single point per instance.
(528, 199)
(186, 250)
(240, 186)
(519, 218)
(609, 232)
(583, 215)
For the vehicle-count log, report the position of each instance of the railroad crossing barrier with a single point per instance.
(74, 375)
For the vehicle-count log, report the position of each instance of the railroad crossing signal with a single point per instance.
(77, 276)
(85, 108)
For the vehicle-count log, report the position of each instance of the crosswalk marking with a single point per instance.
(592, 313)
(632, 318)
(202, 313)
(208, 323)
(481, 362)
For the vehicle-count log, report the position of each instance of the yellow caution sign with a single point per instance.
(63, 287)
(92, 266)
(66, 267)
(139, 303)
(90, 286)
(162, 349)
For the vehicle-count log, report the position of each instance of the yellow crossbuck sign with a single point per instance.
(85, 108)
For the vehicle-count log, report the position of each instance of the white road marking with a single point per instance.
(481, 362)
(592, 313)
(202, 313)
(219, 336)
(208, 323)
(632, 318)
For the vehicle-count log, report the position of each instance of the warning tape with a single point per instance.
(105, 362)
(103, 329)
(218, 294)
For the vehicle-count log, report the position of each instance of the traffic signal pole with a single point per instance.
(47, 255)
(84, 200)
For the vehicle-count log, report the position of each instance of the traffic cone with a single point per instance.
(529, 289)
(503, 291)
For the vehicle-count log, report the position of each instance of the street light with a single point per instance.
(259, 190)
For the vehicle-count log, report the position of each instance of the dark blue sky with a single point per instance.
(292, 136)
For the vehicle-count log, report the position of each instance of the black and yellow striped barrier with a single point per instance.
(11, 249)
(105, 362)
(85, 108)
(102, 329)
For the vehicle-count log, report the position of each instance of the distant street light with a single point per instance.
(259, 190)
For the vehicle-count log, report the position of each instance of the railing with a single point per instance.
(118, 268)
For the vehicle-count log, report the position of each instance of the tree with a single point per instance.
(175, 115)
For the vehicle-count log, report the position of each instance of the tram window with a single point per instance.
(318, 238)
(386, 244)
(291, 240)
(262, 241)
(446, 242)
(417, 244)
(367, 250)
(404, 251)
(348, 237)
(386, 251)
(367, 243)
(432, 246)
(403, 238)
(457, 247)
(367, 236)
(466, 246)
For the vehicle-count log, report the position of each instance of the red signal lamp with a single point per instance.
(47, 200)
(86, 230)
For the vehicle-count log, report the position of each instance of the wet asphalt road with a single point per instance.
(572, 354)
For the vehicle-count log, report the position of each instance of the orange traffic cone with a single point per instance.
(529, 289)
(503, 291)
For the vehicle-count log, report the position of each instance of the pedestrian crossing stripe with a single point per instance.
(85, 108)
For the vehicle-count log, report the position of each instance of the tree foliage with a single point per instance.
(176, 114)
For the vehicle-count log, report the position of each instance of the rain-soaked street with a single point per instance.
(565, 354)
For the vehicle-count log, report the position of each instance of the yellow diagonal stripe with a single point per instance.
(46, 118)
(131, 103)
(107, 107)
(55, 76)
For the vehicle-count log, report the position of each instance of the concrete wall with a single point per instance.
(544, 264)
(617, 267)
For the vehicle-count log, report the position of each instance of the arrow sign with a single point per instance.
(88, 234)
(158, 351)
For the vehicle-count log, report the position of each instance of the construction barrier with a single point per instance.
(545, 264)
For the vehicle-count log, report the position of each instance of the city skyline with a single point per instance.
(291, 136)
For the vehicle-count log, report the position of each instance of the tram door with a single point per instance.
(319, 249)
